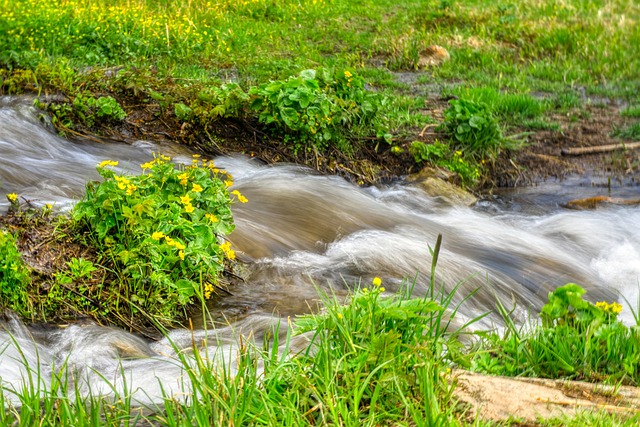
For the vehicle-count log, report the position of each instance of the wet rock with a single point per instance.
(435, 183)
(595, 202)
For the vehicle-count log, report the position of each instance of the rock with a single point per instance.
(433, 56)
(434, 183)
(528, 400)
(594, 202)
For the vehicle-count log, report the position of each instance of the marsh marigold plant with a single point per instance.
(157, 230)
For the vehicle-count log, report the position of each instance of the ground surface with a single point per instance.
(528, 400)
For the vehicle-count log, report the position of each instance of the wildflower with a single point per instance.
(211, 217)
(130, 189)
(122, 182)
(228, 182)
(181, 255)
(157, 235)
(208, 289)
(197, 188)
(185, 200)
(228, 252)
(376, 281)
(178, 245)
(12, 197)
(339, 316)
(148, 165)
(240, 197)
(188, 208)
(106, 163)
(613, 308)
(184, 178)
(347, 74)
(169, 241)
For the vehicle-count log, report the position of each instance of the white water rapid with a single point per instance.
(301, 231)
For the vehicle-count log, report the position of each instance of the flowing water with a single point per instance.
(302, 232)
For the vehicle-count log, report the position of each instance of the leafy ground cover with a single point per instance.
(230, 76)
(138, 250)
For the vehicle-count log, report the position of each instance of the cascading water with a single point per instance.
(302, 231)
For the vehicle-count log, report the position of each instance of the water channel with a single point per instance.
(301, 232)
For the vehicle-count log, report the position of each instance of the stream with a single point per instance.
(302, 233)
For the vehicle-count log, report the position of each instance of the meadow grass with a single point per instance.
(526, 59)
(519, 47)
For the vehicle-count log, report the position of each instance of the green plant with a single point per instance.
(577, 339)
(90, 109)
(316, 108)
(161, 230)
(631, 111)
(629, 132)
(473, 129)
(14, 276)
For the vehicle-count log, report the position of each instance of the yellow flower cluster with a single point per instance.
(377, 284)
(158, 235)
(228, 252)
(105, 163)
(12, 197)
(125, 184)
(239, 196)
(186, 202)
(211, 217)
(208, 290)
(158, 160)
(613, 308)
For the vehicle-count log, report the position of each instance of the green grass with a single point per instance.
(629, 132)
(525, 60)
(633, 111)
(375, 360)
(576, 340)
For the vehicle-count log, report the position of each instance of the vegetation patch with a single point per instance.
(576, 340)
(151, 246)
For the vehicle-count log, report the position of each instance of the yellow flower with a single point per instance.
(12, 197)
(614, 307)
(178, 245)
(347, 74)
(188, 208)
(185, 200)
(228, 252)
(184, 178)
(169, 241)
(130, 189)
(148, 165)
(240, 197)
(157, 235)
(376, 281)
(122, 182)
(197, 188)
(181, 255)
(211, 217)
(106, 163)
(228, 182)
(208, 289)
